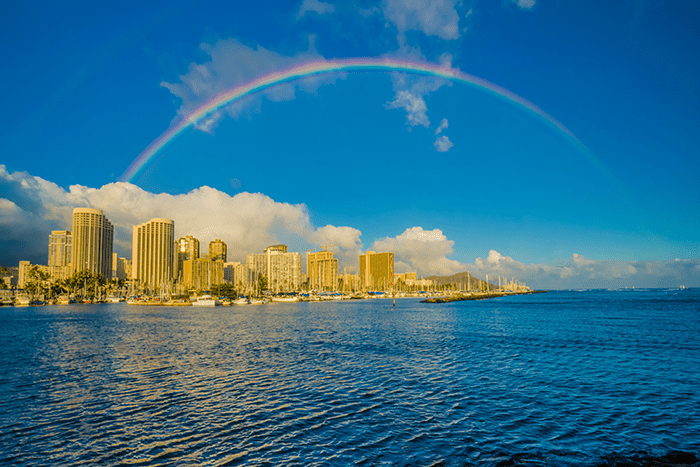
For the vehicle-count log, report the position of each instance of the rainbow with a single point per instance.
(324, 67)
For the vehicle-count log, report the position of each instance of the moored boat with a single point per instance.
(23, 300)
(206, 300)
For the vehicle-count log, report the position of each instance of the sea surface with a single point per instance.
(560, 379)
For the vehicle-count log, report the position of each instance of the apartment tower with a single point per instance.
(93, 237)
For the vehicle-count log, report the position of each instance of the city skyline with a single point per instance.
(451, 176)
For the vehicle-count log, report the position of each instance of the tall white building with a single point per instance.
(281, 269)
(93, 237)
(153, 252)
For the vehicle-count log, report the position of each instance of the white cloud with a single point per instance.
(524, 4)
(443, 126)
(234, 63)
(410, 90)
(316, 6)
(248, 222)
(414, 105)
(581, 272)
(422, 251)
(347, 241)
(432, 17)
(443, 143)
(30, 207)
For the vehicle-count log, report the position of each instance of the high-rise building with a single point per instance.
(124, 268)
(60, 247)
(186, 248)
(281, 269)
(217, 250)
(322, 270)
(236, 274)
(153, 252)
(60, 250)
(93, 237)
(202, 273)
(376, 271)
(256, 265)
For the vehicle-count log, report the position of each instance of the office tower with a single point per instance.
(217, 250)
(93, 237)
(322, 270)
(376, 271)
(153, 252)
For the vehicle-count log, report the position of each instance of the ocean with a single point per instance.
(565, 378)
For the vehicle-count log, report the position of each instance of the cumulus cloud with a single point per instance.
(234, 63)
(316, 6)
(348, 245)
(524, 4)
(422, 251)
(443, 144)
(432, 17)
(580, 272)
(248, 222)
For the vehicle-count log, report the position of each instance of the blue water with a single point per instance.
(563, 378)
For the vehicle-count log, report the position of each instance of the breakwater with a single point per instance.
(460, 297)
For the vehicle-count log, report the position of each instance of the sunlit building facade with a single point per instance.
(217, 250)
(377, 271)
(322, 270)
(202, 274)
(153, 252)
(60, 251)
(186, 248)
(93, 237)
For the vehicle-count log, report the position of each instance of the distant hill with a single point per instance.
(462, 278)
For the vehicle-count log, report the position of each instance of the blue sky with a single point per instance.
(357, 160)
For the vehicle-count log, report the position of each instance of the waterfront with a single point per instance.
(564, 378)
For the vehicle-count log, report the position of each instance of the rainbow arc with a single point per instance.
(324, 67)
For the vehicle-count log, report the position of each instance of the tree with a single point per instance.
(262, 283)
(35, 280)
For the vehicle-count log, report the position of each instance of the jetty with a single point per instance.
(459, 297)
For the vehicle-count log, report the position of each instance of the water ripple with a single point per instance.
(598, 378)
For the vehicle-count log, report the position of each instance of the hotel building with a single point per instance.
(93, 237)
(153, 252)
